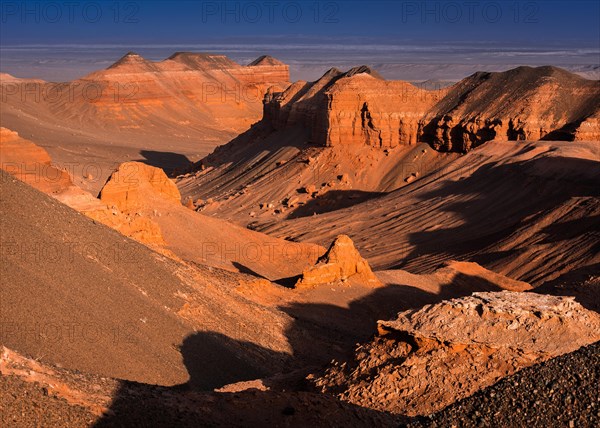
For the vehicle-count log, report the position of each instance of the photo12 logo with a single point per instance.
(270, 12)
(469, 12)
(69, 12)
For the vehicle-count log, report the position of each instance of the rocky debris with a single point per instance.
(135, 184)
(309, 189)
(429, 358)
(341, 262)
(41, 394)
(25, 404)
(560, 392)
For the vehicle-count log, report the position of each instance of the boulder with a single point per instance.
(134, 185)
(341, 262)
(428, 358)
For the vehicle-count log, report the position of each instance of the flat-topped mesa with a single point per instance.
(353, 107)
(203, 61)
(201, 92)
(264, 69)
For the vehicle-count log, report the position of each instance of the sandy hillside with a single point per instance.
(366, 254)
(352, 136)
(167, 113)
(527, 210)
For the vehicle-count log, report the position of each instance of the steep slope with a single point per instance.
(36, 394)
(30, 163)
(168, 113)
(68, 292)
(350, 136)
(141, 202)
(83, 296)
(520, 104)
(80, 295)
(320, 146)
(527, 210)
(143, 191)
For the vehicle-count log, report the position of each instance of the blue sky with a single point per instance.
(311, 29)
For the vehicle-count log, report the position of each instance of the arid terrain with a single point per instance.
(196, 242)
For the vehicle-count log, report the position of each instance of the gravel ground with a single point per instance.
(562, 392)
(27, 404)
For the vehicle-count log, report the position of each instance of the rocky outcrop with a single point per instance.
(342, 262)
(521, 104)
(210, 82)
(359, 107)
(180, 95)
(589, 129)
(428, 358)
(355, 107)
(31, 163)
(134, 185)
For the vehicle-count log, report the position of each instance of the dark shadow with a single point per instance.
(582, 283)
(173, 164)
(331, 201)
(245, 269)
(289, 282)
(495, 201)
(566, 133)
(214, 360)
(318, 333)
(284, 282)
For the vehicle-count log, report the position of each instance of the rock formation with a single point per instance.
(520, 104)
(219, 91)
(355, 107)
(31, 163)
(134, 185)
(513, 207)
(171, 112)
(341, 262)
(359, 107)
(430, 357)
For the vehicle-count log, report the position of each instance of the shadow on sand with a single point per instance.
(495, 201)
(318, 334)
(173, 164)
